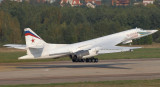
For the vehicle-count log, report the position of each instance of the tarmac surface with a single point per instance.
(66, 71)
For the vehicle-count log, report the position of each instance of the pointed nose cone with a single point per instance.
(154, 31)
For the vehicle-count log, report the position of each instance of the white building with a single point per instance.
(71, 2)
(50, 1)
(90, 5)
(146, 2)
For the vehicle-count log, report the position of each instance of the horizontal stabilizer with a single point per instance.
(17, 46)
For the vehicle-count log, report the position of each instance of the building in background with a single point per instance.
(97, 2)
(90, 3)
(146, 2)
(120, 2)
(71, 2)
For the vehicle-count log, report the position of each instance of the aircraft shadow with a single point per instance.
(113, 66)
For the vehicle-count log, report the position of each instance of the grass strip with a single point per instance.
(119, 83)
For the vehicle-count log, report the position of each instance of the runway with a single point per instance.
(66, 71)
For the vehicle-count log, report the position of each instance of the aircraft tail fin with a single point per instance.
(32, 39)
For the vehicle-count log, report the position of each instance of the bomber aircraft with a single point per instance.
(84, 51)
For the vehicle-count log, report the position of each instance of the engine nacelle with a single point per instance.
(81, 53)
(85, 54)
(92, 53)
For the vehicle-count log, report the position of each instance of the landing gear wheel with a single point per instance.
(92, 60)
(96, 60)
(87, 60)
(82, 60)
(73, 60)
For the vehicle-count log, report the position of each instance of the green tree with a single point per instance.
(9, 28)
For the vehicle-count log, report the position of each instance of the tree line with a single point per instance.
(68, 24)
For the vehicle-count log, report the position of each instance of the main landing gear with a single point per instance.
(87, 60)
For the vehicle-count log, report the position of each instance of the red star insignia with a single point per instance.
(32, 40)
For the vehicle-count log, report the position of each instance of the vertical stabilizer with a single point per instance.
(32, 39)
(34, 45)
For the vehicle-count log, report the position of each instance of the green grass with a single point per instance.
(121, 83)
(11, 57)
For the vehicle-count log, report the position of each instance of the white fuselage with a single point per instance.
(52, 51)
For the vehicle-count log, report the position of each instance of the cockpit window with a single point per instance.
(144, 33)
